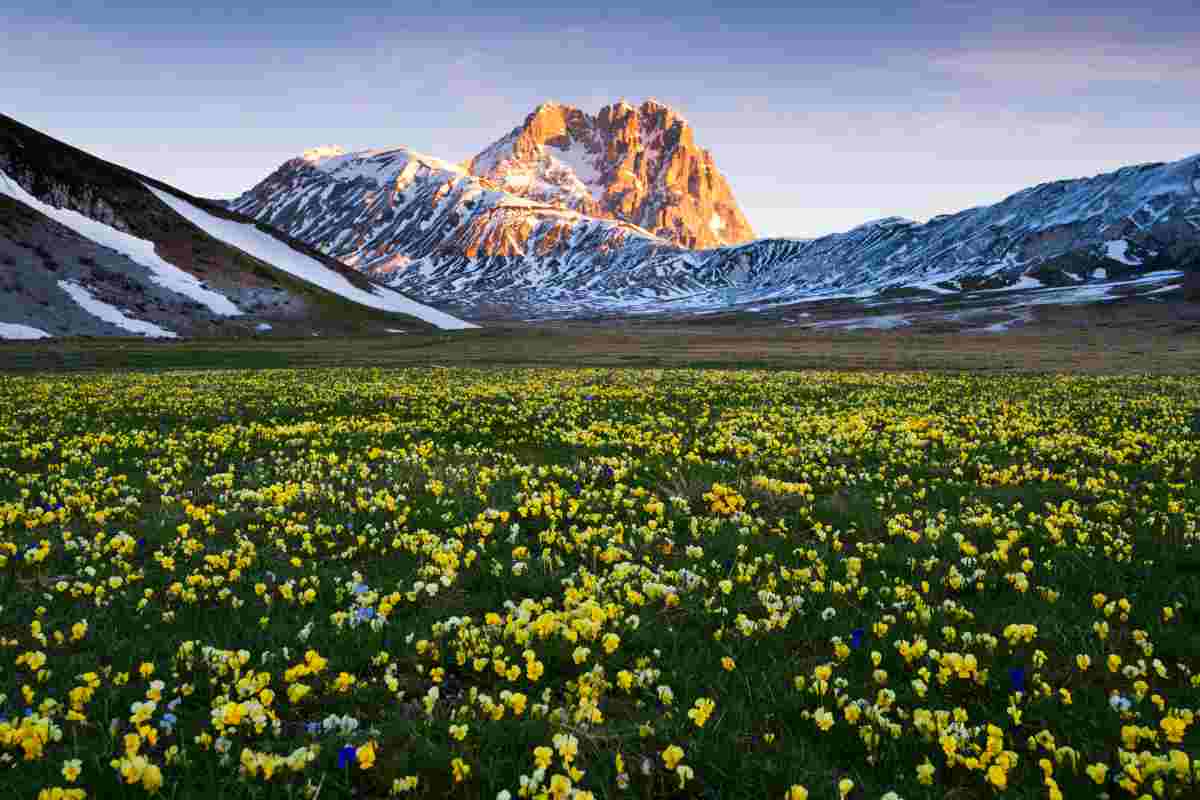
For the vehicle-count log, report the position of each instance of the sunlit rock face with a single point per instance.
(639, 164)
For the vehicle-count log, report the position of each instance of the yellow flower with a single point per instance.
(458, 732)
(542, 756)
(365, 755)
(71, 769)
(1174, 728)
(702, 711)
(567, 747)
(152, 778)
(925, 773)
(796, 792)
(1083, 662)
(845, 786)
(1097, 772)
(730, 665)
(672, 756)
(146, 669)
(462, 770)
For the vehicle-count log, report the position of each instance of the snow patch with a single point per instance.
(716, 224)
(141, 251)
(263, 327)
(1027, 282)
(101, 310)
(11, 330)
(250, 239)
(1118, 250)
(885, 322)
(580, 162)
(1100, 273)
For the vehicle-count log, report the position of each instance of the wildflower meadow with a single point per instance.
(358, 583)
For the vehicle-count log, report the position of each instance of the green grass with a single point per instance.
(329, 478)
(662, 345)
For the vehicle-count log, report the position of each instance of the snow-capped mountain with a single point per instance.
(435, 231)
(638, 164)
(91, 248)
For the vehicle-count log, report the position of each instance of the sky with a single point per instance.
(821, 117)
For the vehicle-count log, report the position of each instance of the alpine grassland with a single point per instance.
(599, 583)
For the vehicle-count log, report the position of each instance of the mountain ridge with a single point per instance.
(452, 237)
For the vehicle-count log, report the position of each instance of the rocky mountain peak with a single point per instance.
(639, 164)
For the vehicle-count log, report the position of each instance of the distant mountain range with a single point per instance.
(535, 226)
(570, 215)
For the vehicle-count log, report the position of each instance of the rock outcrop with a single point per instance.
(638, 164)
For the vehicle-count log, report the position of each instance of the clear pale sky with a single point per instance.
(821, 117)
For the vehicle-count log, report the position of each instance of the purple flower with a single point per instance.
(345, 756)
(856, 638)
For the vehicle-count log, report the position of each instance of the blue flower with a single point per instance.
(361, 588)
(363, 614)
(313, 727)
(345, 756)
(856, 638)
(1016, 677)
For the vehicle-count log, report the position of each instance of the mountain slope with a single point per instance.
(637, 164)
(89, 247)
(438, 233)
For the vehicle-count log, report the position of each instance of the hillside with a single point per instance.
(91, 248)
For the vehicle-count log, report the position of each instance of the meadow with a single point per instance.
(572, 583)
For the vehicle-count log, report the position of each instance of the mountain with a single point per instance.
(398, 213)
(91, 248)
(637, 164)
(436, 231)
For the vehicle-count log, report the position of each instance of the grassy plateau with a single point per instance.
(347, 582)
